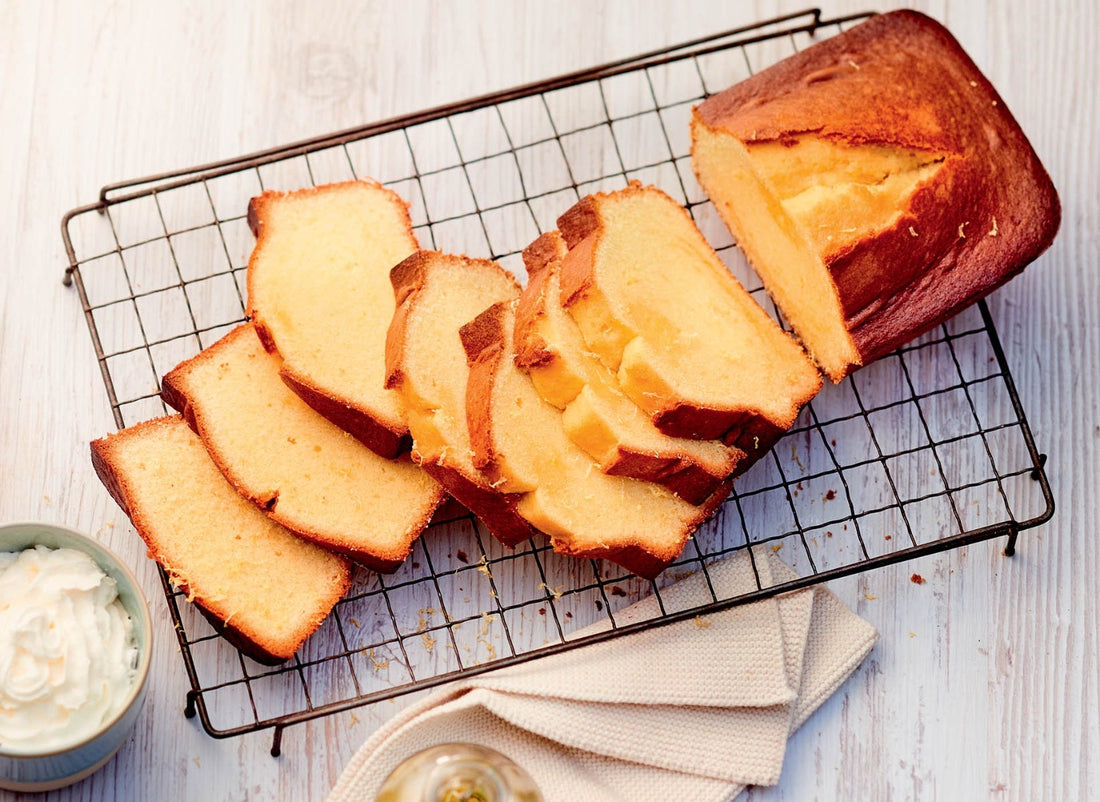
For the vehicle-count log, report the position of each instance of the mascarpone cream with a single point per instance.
(67, 653)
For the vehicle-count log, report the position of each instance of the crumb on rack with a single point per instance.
(555, 592)
(994, 231)
(354, 720)
(829, 496)
(701, 622)
(355, 623)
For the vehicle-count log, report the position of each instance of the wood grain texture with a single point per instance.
(986, 681)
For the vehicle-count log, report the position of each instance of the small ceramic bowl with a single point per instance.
(28, 770)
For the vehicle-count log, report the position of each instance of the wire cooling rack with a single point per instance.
(923, 451)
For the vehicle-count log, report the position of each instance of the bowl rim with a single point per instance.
(145, 655)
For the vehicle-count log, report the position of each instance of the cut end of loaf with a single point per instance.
(777, 245)
(868, 179)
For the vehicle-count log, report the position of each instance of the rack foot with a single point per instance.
(1010, 547)
(277, 742)
(189, 709)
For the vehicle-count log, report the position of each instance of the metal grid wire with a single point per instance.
(924, 450)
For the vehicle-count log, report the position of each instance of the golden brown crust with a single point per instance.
(737, 425)
(495, 509)
(368, 430)
(118, 487)
(484, 351)
(175, 392)
(679, 473)
(639, 560)
(485, 340)
(381, 436)
(902, 81)
(530, 349)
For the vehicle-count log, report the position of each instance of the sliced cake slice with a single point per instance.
(597, 416)
(319, 294)
(521, 441)
(436, 293)
(687, 343)
(263, 588)
(304, 471)
(877, 183)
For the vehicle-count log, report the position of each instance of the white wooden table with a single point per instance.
(986, 682)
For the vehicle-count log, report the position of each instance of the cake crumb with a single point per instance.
(617, 591)
(829, 496)
(913, 232)
(542, 611)
(555, 592)
(463, 556)
(912, 634)
(378, 663)
(994, 231)
(354, 720)
(483, 566)
(701, 622)
(355, 623)
(195, 760)
(887, 537)
(853, 65)
(777, 547)
(869, 597)
(46, 498)
(917, 579)
(962, 234)
(428, 641)
(973, 83)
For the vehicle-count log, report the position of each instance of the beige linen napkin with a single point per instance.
(695, 710)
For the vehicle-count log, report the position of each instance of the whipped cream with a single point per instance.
(67, 654)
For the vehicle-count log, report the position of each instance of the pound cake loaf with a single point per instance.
(304, 471)
(263, 588)
(877, 183)
(435, 294)
(521, 441)
(606, 424)
(319, 294)
(687, 343)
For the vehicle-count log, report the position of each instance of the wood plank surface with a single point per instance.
(986, 681)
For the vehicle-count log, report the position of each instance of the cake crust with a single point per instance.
(260, 646)
(475, 491)
(722, 416)
(902, 82)
(179, 391)
(682, 467)
(487, 340)
(384, 431)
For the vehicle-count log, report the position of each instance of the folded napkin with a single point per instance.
(694, 710)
